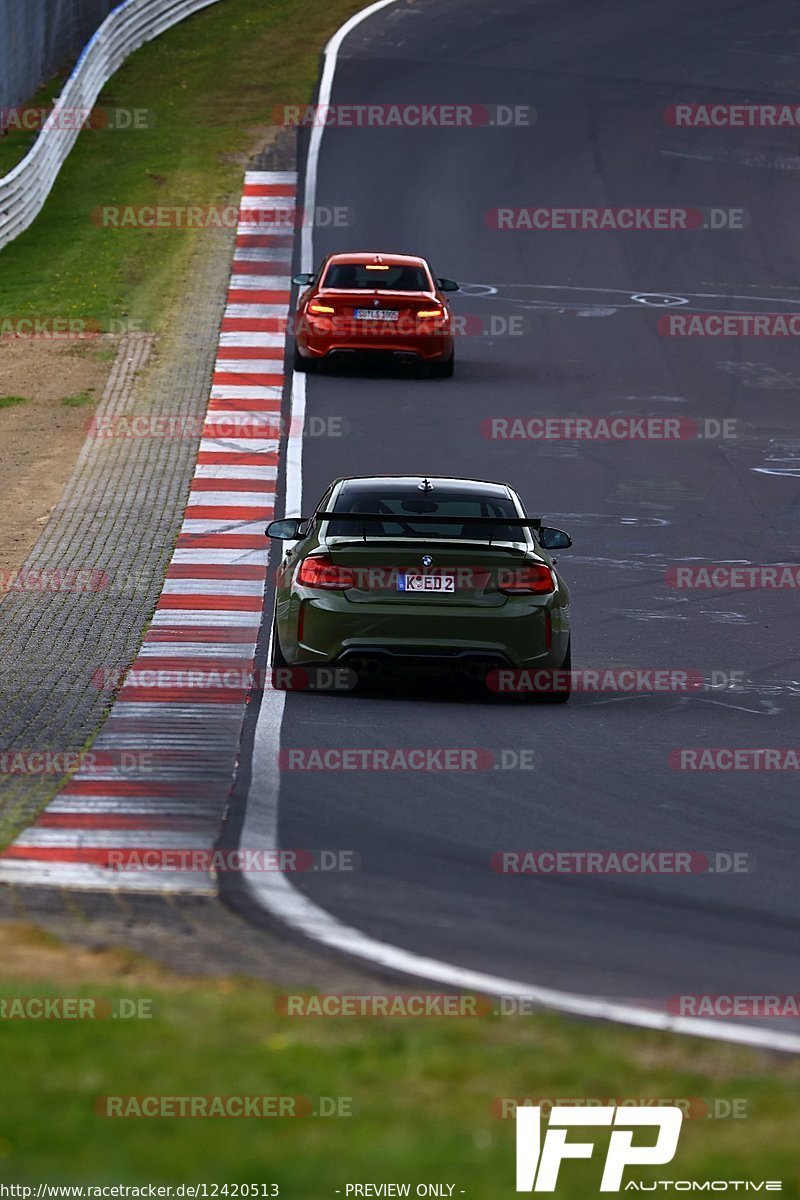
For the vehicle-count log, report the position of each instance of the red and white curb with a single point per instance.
(162, 765)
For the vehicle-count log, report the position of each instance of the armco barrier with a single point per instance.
(24, 190)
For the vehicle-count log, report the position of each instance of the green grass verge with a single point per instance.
(422, 1095)
(10, 401)
(208, 88)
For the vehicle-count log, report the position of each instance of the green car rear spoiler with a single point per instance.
(428, 519)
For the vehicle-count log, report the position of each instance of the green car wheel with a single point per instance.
(279, 668)
(562, 696)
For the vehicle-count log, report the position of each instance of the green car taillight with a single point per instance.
(320, 571)
(536, 580)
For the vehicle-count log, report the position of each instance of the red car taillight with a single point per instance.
(527, 581)
(320, 571)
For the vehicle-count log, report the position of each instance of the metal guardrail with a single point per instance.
(24, 190)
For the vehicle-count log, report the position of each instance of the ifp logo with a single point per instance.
(538, 1165)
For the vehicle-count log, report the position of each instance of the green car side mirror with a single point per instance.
(287, 530)
(554, 539)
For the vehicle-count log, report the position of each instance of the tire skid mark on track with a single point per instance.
(163, 762)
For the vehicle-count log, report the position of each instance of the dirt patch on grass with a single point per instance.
(31, 955)
(48, 392)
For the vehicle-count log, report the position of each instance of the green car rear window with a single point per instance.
(403, 507)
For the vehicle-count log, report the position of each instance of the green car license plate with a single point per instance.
(425, 583)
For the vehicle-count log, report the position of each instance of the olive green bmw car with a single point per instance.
(401, 569)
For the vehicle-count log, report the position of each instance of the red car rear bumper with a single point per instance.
(318, 339)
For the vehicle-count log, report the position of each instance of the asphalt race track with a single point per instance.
(600, 77)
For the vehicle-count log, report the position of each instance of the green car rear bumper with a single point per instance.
(328, 629)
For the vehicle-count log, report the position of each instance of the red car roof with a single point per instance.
(365, 256)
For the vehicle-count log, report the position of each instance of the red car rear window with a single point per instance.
(366, 278)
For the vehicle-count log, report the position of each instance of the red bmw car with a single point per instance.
(359, 304)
